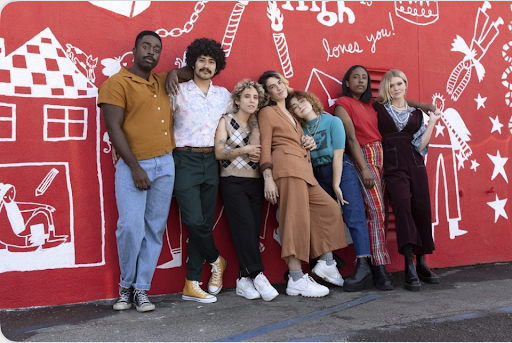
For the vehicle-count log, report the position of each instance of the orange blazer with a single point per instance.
(281, 147)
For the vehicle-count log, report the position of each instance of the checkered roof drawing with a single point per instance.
(41, 69)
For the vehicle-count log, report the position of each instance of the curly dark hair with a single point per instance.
(206, 47)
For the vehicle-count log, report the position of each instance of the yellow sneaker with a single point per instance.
(192, 291)
(215, 282)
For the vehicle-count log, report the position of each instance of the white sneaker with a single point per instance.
(330, 273)
(245, 288)
(263, 286)
(307, 287)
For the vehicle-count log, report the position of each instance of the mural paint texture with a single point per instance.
(57, 206)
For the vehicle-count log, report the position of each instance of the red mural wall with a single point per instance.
(57, 206)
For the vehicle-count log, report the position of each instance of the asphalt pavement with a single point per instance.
(472, 303)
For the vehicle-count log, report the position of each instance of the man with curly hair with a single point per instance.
(197, 110)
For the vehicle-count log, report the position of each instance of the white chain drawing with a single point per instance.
(189, 25)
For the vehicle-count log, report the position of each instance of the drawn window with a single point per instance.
(62, 123)
(7, 122)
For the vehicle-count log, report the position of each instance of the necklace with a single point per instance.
(405, 105)
(314, 128)
(395, 114)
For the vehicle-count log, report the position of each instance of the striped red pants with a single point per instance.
(374, 202)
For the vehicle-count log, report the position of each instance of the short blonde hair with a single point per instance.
(239, 89)
(385, 85)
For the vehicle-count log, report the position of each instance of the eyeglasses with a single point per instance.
(300, 104)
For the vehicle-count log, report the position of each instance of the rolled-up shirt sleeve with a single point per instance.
(266, 132)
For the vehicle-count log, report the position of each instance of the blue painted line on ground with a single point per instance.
(505, 309)
(463, 316)
(298, 320)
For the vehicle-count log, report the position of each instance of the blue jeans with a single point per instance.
(142, 219)
(353, 212)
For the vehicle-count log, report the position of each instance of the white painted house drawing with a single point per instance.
(50, 138)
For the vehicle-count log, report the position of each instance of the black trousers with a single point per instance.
(243, 204)
(195, 188)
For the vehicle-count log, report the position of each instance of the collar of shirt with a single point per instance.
(191, 86)
(125, 72)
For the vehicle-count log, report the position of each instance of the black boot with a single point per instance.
(382, 278)
(362, 277)
(412, 282)
(424, 272)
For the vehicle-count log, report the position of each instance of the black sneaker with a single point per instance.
(125, 299)
(141, 300)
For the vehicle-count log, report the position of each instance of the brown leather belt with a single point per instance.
(204, 150)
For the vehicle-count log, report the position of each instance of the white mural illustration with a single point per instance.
(31, 224)
(447, 152)
(496, 125)
(325, 17)
(322, 77)
(480, 102)
(499, 165)
(2, 47)
(128, 9)
(84, 61)
(114, 65)
(30, 239)
(483, 35)
(276, 20)
(499, 208)
(42, 70)
(46, 183)
(506, 74)
(7, 122)
(380, 34)
(232, 27)
(417, 12)
(176, 250)
(189, 25)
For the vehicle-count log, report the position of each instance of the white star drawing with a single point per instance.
(499, 163)
(499, 208)
(439, 129)
(460, 160)
(496, 125)
(474, 164)
(480, 101)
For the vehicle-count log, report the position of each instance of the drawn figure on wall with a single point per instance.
(26, 226)
(483, 36)
(454, 143)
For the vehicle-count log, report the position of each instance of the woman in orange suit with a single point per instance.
(310, 220)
